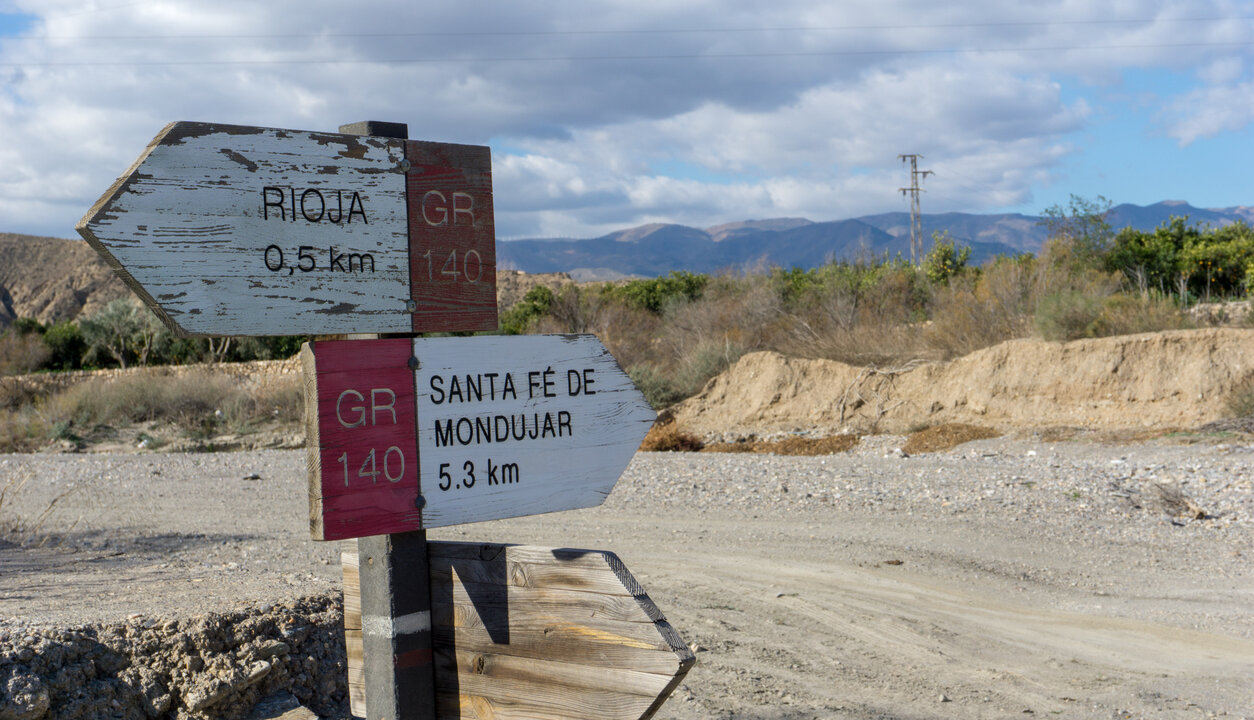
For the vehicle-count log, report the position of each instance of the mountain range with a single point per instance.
(54, 279)
(656, 249)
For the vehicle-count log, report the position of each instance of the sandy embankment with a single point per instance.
(1158, 381)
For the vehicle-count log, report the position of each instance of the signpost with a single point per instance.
(495, 427)
(528, 632)
(231, 230)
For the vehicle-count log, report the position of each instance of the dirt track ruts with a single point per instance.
(1004, 578)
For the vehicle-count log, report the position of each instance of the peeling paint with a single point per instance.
(237, 157)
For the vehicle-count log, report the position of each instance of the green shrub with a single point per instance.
(653, 294)
(65, 341)
(535, 304)
(944, 261)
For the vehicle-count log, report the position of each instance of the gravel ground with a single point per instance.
(1005, 577)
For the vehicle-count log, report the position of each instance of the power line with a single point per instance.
(643, 31)
(582, 58)
(916, 215)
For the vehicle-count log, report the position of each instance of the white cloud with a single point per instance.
(988, 134)
(1210, 111)
(621, 111)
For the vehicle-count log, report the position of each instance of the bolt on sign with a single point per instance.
(494, 427)
(234, 230)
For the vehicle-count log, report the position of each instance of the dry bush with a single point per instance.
(14, 394)
(702, 338)
(667, 437)
(1127, 314)
(791, 446)
(1240, 403)
(862, 316)
(281, 401)
(198, 403)
(22, 353)
(1174, 502)
(1068, 295)
(982, 309)
(629, 334)
(22, 429)
(944, 437)
(25, 530)
(186, 400)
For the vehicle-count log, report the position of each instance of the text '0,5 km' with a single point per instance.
(429, 432)
(232, 230)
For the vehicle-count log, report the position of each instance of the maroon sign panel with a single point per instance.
(452, 237)
(364, 442)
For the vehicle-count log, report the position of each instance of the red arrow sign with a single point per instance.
(488, 427)
(231, 230)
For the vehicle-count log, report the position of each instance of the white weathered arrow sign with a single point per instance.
(528, 632)
(495, 427)
(232, 230)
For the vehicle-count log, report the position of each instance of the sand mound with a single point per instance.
(1177, 379)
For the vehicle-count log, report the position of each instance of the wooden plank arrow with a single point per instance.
(234, 230)
(494, 427)
(528, 632)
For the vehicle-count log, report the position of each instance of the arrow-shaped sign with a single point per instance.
(531, 632)
(495, 427)
(232, 230)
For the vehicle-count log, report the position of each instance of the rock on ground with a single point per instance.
(217, 665)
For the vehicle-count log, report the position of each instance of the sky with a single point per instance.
(606, 115)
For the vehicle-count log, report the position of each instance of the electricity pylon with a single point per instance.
(916, 220)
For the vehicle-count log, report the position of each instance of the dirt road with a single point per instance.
(1008, 578)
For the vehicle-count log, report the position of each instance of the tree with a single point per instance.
(125, 330)
(65, 340)
(944, 261)
(1082, 226)
(1217, 260)
(1152, 259)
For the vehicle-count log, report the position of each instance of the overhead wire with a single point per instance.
(659, 56)
(644, 31)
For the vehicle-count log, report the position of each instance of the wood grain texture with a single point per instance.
(188, 227)
(593, 435)
(452, 236)
(505, 427)
(363, 466)
(349, 560)
(234, 230)
(397, 658)
(529, 632)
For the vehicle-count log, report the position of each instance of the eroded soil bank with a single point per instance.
(1162, 381)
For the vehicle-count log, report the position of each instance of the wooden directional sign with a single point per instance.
(494, 427)
(527, 632)
(230, 230)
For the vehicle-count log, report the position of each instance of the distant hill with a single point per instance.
(656, 249)
(52, 279)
